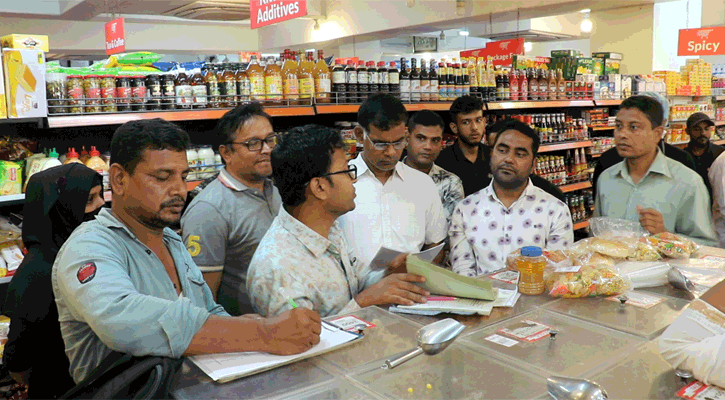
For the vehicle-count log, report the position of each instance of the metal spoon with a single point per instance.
(432, 339)
(677, 279)
(562, 388)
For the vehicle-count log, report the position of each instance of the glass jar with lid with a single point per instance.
(123, 93)
(92, 91)
(108, 93)
(56, 91)
(138, 93)
(74, 94)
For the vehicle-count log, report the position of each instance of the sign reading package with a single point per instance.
(268, 12)
(499, 52)
(702, 41)
(115, 36)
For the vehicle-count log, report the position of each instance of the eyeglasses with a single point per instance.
(352, 171)
(382, 146)
(256, 144)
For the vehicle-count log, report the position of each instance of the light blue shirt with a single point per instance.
(668, 187)
(113, 293)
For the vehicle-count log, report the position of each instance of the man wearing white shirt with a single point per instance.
(716, 174)
(396, 206)
(511, 212)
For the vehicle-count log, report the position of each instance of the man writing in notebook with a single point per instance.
(125, 281)
(304, 250)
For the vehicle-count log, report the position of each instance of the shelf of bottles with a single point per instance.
(565, 146)
(581, 225)
(607, 102)
(576, 186)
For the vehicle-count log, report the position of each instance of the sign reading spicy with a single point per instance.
(702, 41)
(268, 12)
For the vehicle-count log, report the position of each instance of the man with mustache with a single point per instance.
(304, 252)
(396, 206)
(125, 282)
(703, 151)
(425, 142)
(224, 223)
(660, 193)
(511, 212)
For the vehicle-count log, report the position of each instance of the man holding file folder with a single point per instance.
(304, 258)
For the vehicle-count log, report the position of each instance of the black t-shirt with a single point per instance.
(612, 157)
(704, 162)
(476, 176)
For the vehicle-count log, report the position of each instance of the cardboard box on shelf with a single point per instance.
(587, 65)
(565, 53)
(25, 41)
(10, 178)
(25, 83)
(613, 56)
(3, 103)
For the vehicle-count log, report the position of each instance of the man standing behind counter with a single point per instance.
(425, 142)
(124, 282)
(304, 251)
(225, 222)
(396, 206)
(702, 150)
(663, 194)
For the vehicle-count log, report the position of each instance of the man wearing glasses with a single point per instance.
(304, 253)
(397, 206)
(225, 222)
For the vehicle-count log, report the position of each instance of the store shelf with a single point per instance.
(718, 98)
(607, 103)
(719, 123)
(601, 128)
(565, 146)
(519, 105)
(581, 225)
(69, 121)
(595, 155)
(444, 106)
(575, 186)
(336, 108)
(38, 121)
(12, 199)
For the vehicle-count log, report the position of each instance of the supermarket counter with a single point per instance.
(602, 340)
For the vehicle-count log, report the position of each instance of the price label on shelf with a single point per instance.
(701, 391)
(526, 330)
(503, 341)
(511, 277)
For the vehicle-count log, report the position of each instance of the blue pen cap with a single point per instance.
(531, 251)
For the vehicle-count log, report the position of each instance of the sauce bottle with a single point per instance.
(415, 87)
(499, 86)
(84, 155)
(182, 87)
(424, 82)
(273, 82)
(466, 87)
(72, 157)
(290, 83)
(351, 82)
(442, 82)
(561, 85)
(212, 85)
(394, 80)
(384, 78)
(533, 85)
(514, 84)
(242, 83)
(523, 86)
(481, 77)
(492, 90)
(228, 84)
(306, 79)
(433, 77)
(97, 164)
(543, 85)
(363, 81)
(506, 86)
(322, 79)
(255, 72)
(404, 81)
(472, 77)
(458, 80)
(198, 88)
(339, 86)
(168, 88)
(553, 85)
(373, 77)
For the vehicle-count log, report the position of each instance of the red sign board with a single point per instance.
(702, 41)
(268, 12)
(500, 52)
(115, 36)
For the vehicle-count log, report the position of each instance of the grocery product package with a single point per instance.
(10, 178)
(645, 274)
(25, 41)
(672, 246)
(554, 259)
(606, 227)
(590, 280)
(25, 83)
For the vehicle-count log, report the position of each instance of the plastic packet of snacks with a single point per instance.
(671, 245)
(590, 280)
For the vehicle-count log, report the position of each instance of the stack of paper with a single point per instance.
(436, 305)
(443, 282)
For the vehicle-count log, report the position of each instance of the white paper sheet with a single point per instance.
(385, 256)
(227, 366)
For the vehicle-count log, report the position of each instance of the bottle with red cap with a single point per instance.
(394, 80)
(383, 78)
(351, 81)
(339, 87)
(97, 164)
(363, 81)
(373, 77)
(72, 156)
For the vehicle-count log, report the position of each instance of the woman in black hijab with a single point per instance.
(58, 200)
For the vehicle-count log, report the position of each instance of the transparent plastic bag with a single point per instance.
(644, 274)
(613, 227)
(619, 248)
(671, 245)
(590, 280)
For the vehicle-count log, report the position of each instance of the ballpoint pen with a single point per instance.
(293, 304)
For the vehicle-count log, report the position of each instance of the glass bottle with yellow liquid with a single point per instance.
(255, 72)
(531, 270)
(228, 86)
(289, 80)
(306, 79)
(273, 82)
(322, 79)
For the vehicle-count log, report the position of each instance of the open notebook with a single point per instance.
(225, 367)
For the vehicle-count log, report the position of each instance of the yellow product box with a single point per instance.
(25, 83)
(23, 41)
(3, 104)
(10, 178)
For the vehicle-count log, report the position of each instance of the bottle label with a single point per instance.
(199, 93)
(213, 88)
(415, 89)
(384, 78)
(184, 95)
(93, 93)
(307, 87)
(363, 78)
(338, 77)
(351, 77)
(291, 86)
(322, 87)
(256, 85)
(374, 78)
(433, 88)
(405, 89)
(107, 93)
(394, 78)
(443, 91)
(273, 84)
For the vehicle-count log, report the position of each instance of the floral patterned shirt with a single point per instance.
(450, 188)
(318, 273)
(483, 231)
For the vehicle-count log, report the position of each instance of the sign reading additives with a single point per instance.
(268, 12)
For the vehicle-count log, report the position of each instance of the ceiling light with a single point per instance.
(442, 36)
(527, 47)
(586, 24)
(585, 11)
(463, 32)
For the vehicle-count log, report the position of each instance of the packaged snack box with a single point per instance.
(10, 178)
(25, 41)
(613, 56)
(25, 83)
(3, 103)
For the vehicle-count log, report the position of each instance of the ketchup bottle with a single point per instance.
(514, 85)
